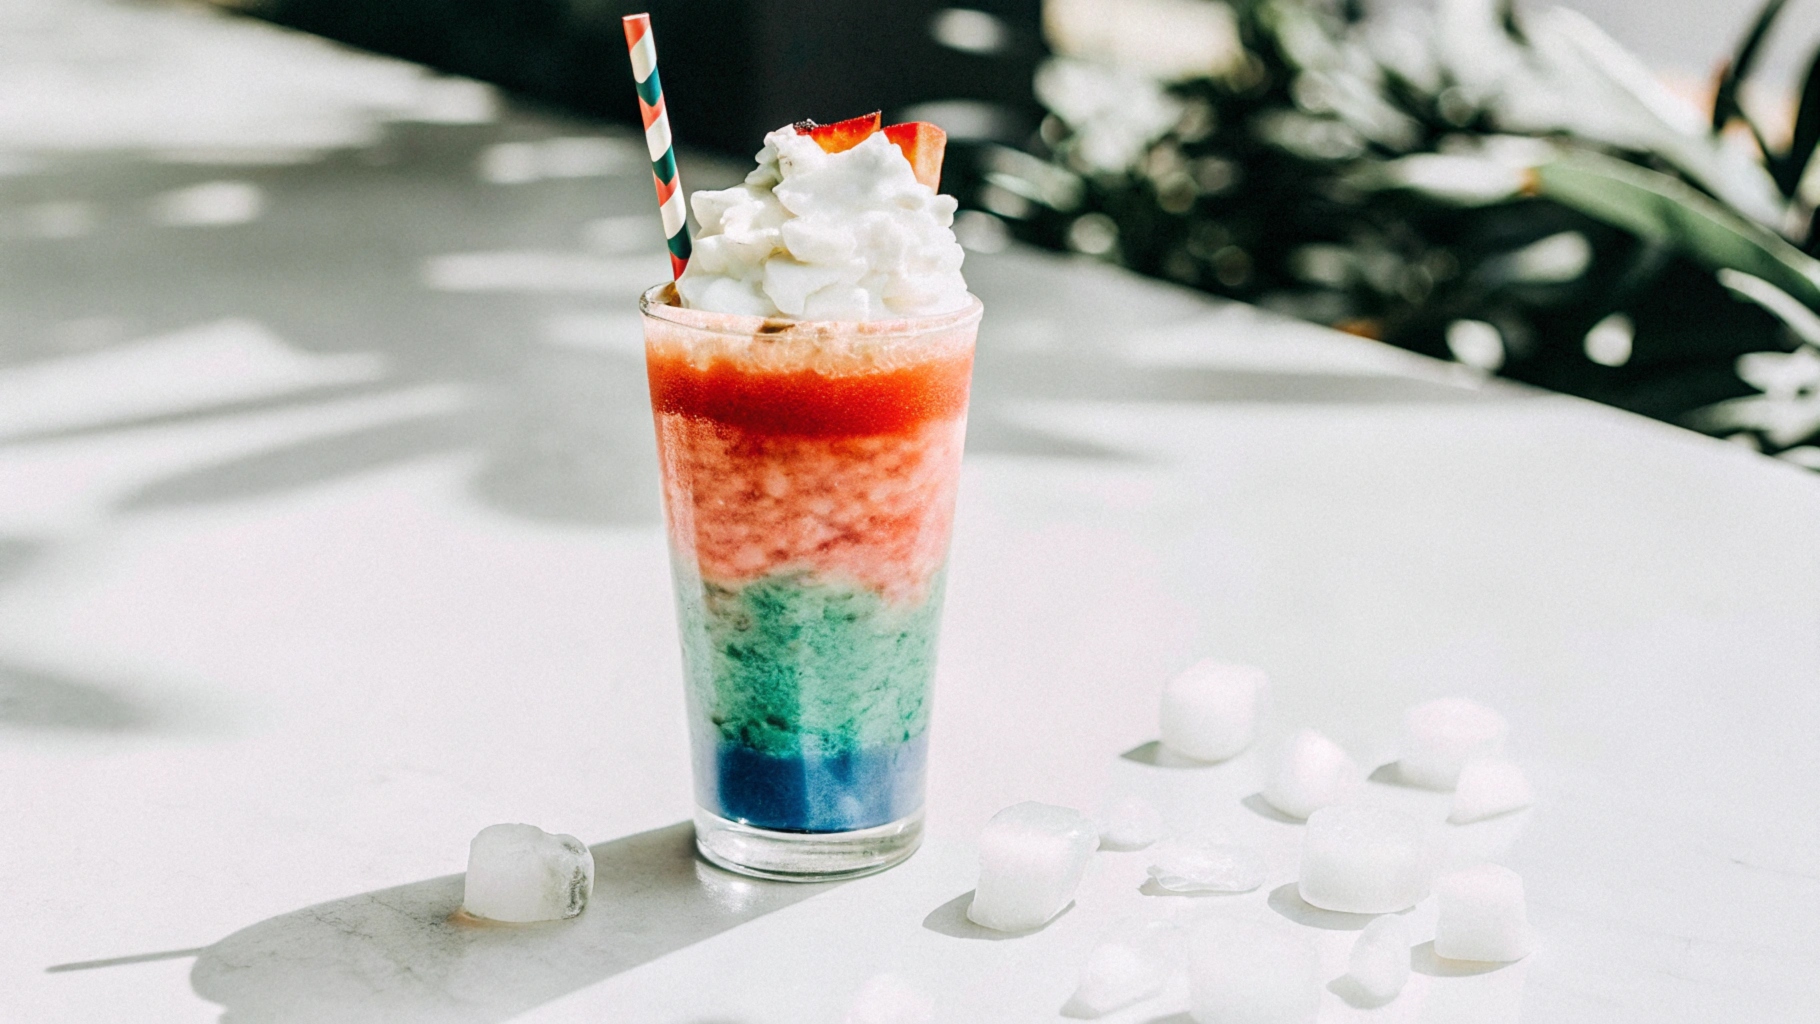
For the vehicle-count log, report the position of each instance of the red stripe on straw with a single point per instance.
(666, 189)
(636, 25)
(650, 113)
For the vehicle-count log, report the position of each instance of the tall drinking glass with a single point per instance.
(809, 473)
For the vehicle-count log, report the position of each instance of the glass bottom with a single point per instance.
(805, 856)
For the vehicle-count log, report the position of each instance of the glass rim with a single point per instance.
(655, 303)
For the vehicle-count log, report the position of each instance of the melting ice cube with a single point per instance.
(1379, 964)
(1439, 737)
(520, 873)
(1201, 863)
(1032, 857)
(1489, 786)
(1362, 859)
(1129, 823)
(1312, 772)
(1129, 967)
(1210, 712)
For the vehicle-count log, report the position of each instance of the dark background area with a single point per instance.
(732, 69)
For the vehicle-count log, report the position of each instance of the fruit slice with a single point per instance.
(923, 144)
(841, 135)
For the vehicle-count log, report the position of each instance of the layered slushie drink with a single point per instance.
(809, 377)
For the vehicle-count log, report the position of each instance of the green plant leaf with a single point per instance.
(1731, 78)
(1807, 131)
(1509, 22)
(1661, 208)
(1605, 94)
(1802, 321)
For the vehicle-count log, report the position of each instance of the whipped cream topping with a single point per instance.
(813, 235)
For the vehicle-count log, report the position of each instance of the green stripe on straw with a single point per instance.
(662, 150)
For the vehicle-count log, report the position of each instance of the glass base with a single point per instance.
(805, 856)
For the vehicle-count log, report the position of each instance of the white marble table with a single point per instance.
(328, 535)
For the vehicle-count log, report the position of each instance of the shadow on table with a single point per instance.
(17, 555)
(1391, 774)
(1287, 900)
(32, 698)
(1256, 804)
(394, 956)
(1424, 960)
(1103, 378)
(1154, 754)
(1354, 995)
(951, 919)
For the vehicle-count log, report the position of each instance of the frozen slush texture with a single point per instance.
(809, 473)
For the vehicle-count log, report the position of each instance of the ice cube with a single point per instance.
(1362, 859)
(1031, 858)
(1247, 972)
(1201, 863)
(1129, 967)
(1480, 915)
(1210, 712)
(1439, 737)
(889, 999)
(1379, 964)
(1489, 786)
(1129, 823)
(1312, 772)
(520, 873)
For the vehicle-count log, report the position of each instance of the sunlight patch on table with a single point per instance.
(579, 156)
(70, 485)
(212, 204)
(225, 361)
(89, 76)
(542, 271)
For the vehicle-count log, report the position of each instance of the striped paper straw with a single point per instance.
(657, 139)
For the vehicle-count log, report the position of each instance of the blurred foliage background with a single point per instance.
(1475, 180)
(1512, 191)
